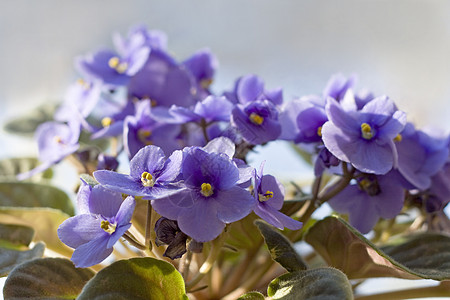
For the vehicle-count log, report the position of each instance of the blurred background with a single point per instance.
(400, 48)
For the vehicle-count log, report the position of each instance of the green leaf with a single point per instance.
(10, 258)
(9, 168)
(242, 234)
(136, 278)
(26, 194)
(27, 124)
(89, 179)
(44, 221)
(280, 248)
(46, 278)
(322, 283)
(252, 296)
(15, 235)
(14, 241)
(343, 247)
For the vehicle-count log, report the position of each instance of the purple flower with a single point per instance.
(364, 138)
(112, 118)
(55, 142)
(142, 129)
(420, 155)
(371, 198)
(150, 174)
(250, 88)
(140, 37)
(212, 196)
(257, 121)
(164, 81)
(202, 65)
(104, 219)
(269, 196)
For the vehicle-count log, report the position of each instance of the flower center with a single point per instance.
(367, 131)
(58, 139)
(370, 186)
(147, 179)
(319, 131)
(256, 119)
(144, 136)
(398, 138)
(116, 64)
(107, 121)
(207, 190)
(266, 196)
(84, 84)
(108, 227)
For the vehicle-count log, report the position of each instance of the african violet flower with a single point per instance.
(421, 155)
(142, 129)
(257, 121)
(212, 196)
(55, 142)
(371, 198)
(364, 138)
(202, 65)
(269, 196)
(103, 220)
(150, 174)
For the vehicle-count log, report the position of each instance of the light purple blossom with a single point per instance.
(212, 196)
(364, 138)
(150, 174)
(103, 220)
(269, 196)
(371, 198)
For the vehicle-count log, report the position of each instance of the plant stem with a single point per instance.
(133, 241)
(216, 247)
(148, 226)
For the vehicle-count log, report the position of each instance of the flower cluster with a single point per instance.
(187, 147)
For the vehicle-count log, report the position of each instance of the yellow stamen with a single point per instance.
(84, 84)
(147, 179)
(366, 131)
(144, 135)
(153, 103)
(205, 83)
(113, 62)
(398, 138)
(57, 139)
(256, 119)
(319, 131)
(365, 183)
(108, 227)
(107, 121)
(265, 197)
(122, 67)
(207, 189)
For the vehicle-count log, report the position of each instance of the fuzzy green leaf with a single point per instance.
(11, 167)
(322, 283)
(10, 258)
(44, 221)
(252, 296)
(27, 124)
(417, 256)
(280, 248)
(26, 194)
(46, 278)
(136, 278)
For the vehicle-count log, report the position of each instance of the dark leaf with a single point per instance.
(26, 194)
(10, 258)
(27, 124)
(252, 296)
(9, 168)
(46, 278)
(317, 284)
(280, 248)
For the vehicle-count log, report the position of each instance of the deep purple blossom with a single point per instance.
(364, 138)
(257, 121)
(203, 65)
(103, 220)
(142, 129)
(55, 142)
(371, 198)
(269, 196)
(212, 196)
(150, 174)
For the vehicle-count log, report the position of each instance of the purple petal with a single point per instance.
(276, 218)
(220, 145)
(84, 192)
(249, 88)
(200, 221)
(148, 159)
(172, 167)
(125, 212)
(104, 201)
(340, 118)
(117, 234)
(270, 183)
(119, 182)
(91, 253)
(79, 230)
(234, 204)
